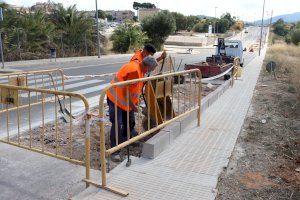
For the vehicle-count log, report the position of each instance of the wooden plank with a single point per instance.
(152, 103)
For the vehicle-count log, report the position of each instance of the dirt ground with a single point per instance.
(70, 142)
(265, 163)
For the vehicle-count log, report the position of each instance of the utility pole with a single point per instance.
(262, 26)
(271, 18)
(98, 42)
(62, 45)
(1, 45)
(85, 45)
(215, 19)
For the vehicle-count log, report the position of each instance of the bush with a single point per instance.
(287, 39)
(201, 27)
(295, 37)
(191, 21)
(127, 37)
(181, 21)
(280, 28)
(159, 27)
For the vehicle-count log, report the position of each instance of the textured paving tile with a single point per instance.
(190, 167)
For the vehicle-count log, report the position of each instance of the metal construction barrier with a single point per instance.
(167, 101)
(235, 70)
(41, 126)
(52, 79)
(44, 79)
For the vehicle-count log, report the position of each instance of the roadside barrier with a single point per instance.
(52, 79)
(39, 128)
(166, 103)
(236, 70)
(44, 120)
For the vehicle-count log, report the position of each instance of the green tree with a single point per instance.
(127, 37)
(191, 21)
(137, 5)
(280, 28)
(222, 25)
(101, 14)
(181, 21)
(39, 31)
(109, 17)
(228, 19)
(201, 26)
(75, 29)
(30, 32)
(159, 27)
(295, 37)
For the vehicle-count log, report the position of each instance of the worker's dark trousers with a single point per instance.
(122, 123)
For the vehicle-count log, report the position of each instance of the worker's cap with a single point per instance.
(150, 48)
(150, 61)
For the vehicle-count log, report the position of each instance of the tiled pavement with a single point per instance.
(190, 167)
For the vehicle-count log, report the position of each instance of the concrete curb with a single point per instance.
(158, 143)
(7, 71)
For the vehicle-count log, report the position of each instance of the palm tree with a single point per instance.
(73, 26)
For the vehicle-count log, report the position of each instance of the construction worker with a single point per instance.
(148, 50)
(126, 99)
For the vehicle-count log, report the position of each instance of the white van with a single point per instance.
(233, 48)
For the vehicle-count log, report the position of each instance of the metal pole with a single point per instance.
(98, 42)
(1, 49)
(85, 45)
(215, 20)
(262, 26)
(19, 46)
(62, 46)
(271, 18)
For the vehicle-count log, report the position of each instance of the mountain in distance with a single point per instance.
(294, 17)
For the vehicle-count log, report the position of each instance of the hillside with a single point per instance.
(294, 17)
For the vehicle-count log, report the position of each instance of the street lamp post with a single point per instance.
(215, 19)
(1, 45)
(262, 26)
(98, 42)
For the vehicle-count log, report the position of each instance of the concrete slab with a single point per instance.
(27, 175)
(157, 144)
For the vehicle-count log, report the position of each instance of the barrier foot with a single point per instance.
(108, 188)
(128, 163)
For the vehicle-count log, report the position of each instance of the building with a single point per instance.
(146, 12)
(18, 8)
(120, 15)
(46, 7)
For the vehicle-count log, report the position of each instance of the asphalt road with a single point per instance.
(107, 64)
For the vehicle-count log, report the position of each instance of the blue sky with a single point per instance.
(245, 9)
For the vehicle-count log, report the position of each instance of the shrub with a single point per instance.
(159, 27)
(127, 37)
(295, 38)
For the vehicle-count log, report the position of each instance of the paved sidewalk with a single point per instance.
(190, 167)
(26, 175)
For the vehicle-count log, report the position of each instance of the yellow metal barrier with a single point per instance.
(169, 97)
(52, 79)
(43, 79)
(236, 65)
(38, 127)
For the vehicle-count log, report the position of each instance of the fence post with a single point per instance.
(199, 97)
(102, 141)
(87, 147)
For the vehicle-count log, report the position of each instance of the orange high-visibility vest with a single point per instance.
(137, 57)
(118, 95)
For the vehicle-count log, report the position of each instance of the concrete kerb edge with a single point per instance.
(166, 136)
(8, 71)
